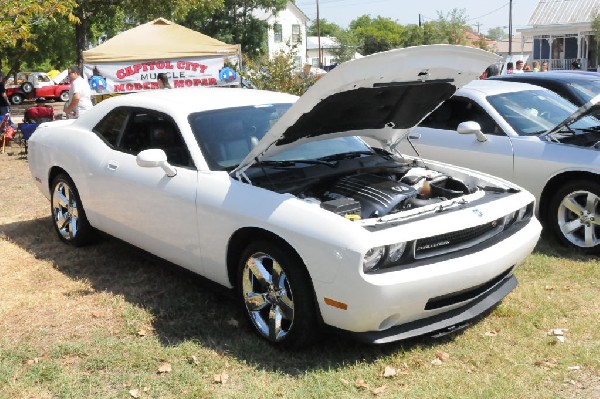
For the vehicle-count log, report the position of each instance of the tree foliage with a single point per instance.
(234, 23)
(325, 27)
(277, 74)
(497, 34)
(377, 34)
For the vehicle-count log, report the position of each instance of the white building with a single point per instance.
(328, 44)
(286, 29)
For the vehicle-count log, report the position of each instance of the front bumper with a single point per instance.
(444, 323)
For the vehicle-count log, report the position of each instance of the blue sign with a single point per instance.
(227, 74)
(97, 83)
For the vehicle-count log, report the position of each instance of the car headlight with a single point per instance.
(372, 258)
(384, 256)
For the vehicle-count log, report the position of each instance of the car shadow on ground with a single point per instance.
(185, 306)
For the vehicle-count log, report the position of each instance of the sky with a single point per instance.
(481, 15)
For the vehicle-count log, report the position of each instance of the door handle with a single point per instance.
(414, 136)
(113, 165)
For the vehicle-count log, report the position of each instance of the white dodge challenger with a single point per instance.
(281, 199)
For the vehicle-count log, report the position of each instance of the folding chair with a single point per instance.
(27, 130)
(6, 131)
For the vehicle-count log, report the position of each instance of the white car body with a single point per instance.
(202, 215)
(542, 164)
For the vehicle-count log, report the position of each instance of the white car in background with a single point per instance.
(528, 135)
(276, 197)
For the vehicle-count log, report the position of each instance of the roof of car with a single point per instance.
(551, 75)
(198, 98)
(491, 87)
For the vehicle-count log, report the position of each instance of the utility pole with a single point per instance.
(419, 20)
(510, 28)
(319, 37)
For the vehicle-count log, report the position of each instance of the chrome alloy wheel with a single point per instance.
(268, 296)
(65, 211)
(579, 218)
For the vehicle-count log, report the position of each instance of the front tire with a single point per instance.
(276, 294)
(574, 215)
(17, 99)
(64, 96)
(68, 215)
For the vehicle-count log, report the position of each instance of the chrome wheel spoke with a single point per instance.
(258, 271)
(590, 236)
(572, 205)
(287, 307)
(570, 227)
(592, 203)
(275, 318)
(255, 301)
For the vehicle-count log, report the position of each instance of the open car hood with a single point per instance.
(380, 96)
(589, 108)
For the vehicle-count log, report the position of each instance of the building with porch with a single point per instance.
(562, 33)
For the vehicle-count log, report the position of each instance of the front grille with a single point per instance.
(456, 240)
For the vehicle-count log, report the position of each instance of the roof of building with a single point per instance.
(501, 46)
(312, 42)
(559, 12)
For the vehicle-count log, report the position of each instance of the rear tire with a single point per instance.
(276, 294)
(68, 215)
(574, 215)
(64, 96)
(27, 87)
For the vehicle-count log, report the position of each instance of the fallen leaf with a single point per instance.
(560, 338)
(135, 393)
(491, 333)
(361, 384)
(443, 356)
(233, 322)
(545, 363)
(548, 288)
(35, 360)
(195, 360)
(95, 315)
(557, 331)
(379, 390)
(141, 333)
(345, 382)
(389, 371)
(574, 367)
(436, 362)
(165, 367)
(221, 378)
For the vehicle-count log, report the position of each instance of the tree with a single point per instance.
(234, 23)
(377, 34)
(325, 27)
(277, 74)
(497, 34)
(18, 21)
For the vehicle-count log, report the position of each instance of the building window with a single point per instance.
(315, 62)
(277, 30)
(298, 61)
(295, 33)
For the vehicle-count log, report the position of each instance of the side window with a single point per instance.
(111, 126)
(296, 38)
(146, 129)
(457, 110)
(278, 33)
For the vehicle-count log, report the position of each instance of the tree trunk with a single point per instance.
(81, 35)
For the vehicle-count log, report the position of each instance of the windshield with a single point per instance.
(536, 111)
(586, 90)
(226, 136)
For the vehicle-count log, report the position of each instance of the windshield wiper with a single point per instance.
(293, 162)
(345, 155)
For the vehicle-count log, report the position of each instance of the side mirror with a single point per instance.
(471, 127)
(155, 158)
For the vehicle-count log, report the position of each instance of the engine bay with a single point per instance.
(359, 190)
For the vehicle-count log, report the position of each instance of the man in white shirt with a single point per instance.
(79, 94)
(519, 68)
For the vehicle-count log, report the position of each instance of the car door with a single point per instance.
(142, 205)
(436, 138)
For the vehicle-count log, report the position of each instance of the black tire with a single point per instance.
(64, 96)
(17, 99)
(68, 215)
(574, 215)
(27, 87)
(281, 310)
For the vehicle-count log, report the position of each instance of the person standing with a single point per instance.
(4, 103)
(519, 68)
(544, 66)
(79, 94)
(163, 81)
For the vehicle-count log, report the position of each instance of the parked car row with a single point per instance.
(281, 199)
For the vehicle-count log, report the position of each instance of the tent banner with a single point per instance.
(124, 77)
